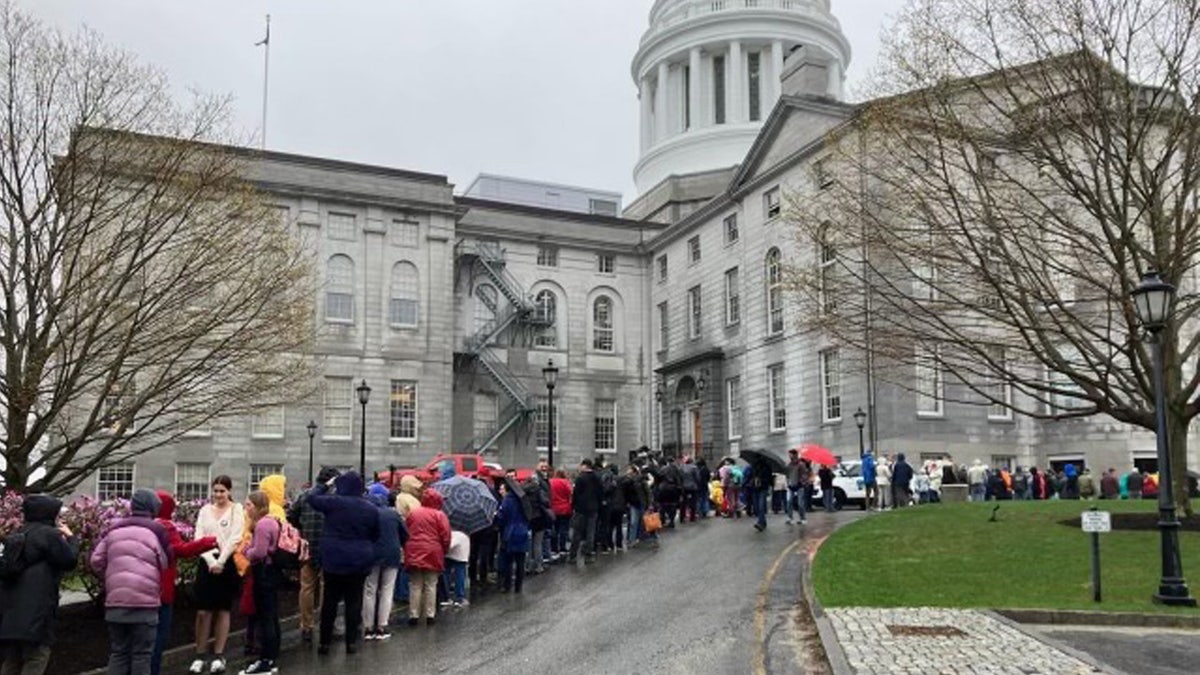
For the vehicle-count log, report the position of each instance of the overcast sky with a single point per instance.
(531, 88)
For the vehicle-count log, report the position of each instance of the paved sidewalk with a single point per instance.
(927, 640)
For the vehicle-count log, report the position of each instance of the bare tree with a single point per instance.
(147, 288)
(986, 214)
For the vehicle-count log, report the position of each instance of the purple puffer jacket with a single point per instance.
(131, 558)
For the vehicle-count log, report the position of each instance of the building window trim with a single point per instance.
(694, 253)
(113, 481)
(547, 255)
(929, 370)
(831, 386)
(772, 207)
(733, 407)
(730, 229)
(776, 398)
(604, 436)
(695, 313)
(604, 330)
(404, 415)
(774, 293)
(733, 297)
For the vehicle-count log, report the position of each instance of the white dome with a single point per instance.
(708, 74)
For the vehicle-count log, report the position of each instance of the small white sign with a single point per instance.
(1096, 521)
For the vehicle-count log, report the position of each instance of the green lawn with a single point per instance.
(951, 556)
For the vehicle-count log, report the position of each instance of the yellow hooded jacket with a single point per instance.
(275, 487)
(410, 495)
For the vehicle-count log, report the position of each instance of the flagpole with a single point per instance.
(266, 42)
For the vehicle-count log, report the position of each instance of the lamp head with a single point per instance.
(364, 392)
(550, 373)
(312, 428)
(1152, 299)
(860, 418)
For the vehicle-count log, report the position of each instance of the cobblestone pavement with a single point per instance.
(926, 640)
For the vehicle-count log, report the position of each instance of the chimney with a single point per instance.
(811, 71)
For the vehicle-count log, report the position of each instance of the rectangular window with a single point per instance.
(695, 309)
(404, 233)
(733, 310)
(115, 482)
(261, 471)
(547, 256)
(485, 417)
(925, 283)
(731, 229)
(606, 263)
(930, 384)
(771, 204)
(827, 257)
(733, 406)
(754, 82)
(339, 404)
(403, 404)
(718, 90)
(343, 226)
(268, 423)
(602, 207)
(664, 326)
(831, 385)
(402, 312)
(694, 249)
(542, 423)
(606, 425)
(662, 268)
(776, 398)
(1000, 391)
(191, 481)
(822, 178)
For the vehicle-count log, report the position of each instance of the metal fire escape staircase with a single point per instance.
(512, 308)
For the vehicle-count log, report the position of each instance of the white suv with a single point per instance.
(847, 486)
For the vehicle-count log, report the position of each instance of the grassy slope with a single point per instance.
(951, 556)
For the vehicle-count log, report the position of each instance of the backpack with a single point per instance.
(13, 560)
(292, 550)
(736, 476)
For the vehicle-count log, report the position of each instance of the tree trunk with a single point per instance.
(1177, 437)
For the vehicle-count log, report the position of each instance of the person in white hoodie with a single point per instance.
(883, 480)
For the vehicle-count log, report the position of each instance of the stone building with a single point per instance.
(669, 326)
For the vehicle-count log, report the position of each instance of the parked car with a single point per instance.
(471, 466)
(847, 486)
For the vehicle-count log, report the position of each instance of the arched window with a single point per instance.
(602, 324)
(547, 316)
(339, 290)
(404, 306)
(485, 306)
(774, 283)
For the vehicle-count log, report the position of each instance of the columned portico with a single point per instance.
(698, 51)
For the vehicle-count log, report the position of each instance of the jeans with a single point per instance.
(266, 607)
(583, 529)
(401, 594)
(536, 559)
(616, 526)
(483, 554)
(688, 510)
(378, 591)
(827, 498)
(508, 561)
(796, 496)
(160, 638)
(456, 579)
(635, 524)
(562, 530)
(130, 646)
(23, 658)
(705, 503)
(347, 588)
(760, 507)
(977, 492)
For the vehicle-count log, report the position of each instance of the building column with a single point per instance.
(694, 80)
(735, 98)
(661, 115)
(644, 94)
(776, 73)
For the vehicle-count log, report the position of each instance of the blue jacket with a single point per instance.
(392, 536)
(514, 527)
(868, 469)
(351, 526)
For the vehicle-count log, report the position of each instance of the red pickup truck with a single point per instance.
(471, 466)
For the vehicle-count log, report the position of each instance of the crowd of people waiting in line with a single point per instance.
(353, 545)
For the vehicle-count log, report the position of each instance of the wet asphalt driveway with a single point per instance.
(716, 597)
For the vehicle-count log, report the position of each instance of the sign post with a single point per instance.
(1095, 522)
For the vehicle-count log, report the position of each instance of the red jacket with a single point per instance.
(181, 548)
(560, 496)
(428, 535)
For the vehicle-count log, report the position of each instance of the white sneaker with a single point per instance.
(260, 667)
(197, 666)
(218, 665)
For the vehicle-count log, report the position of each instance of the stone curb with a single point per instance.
(1072, 617)
(838, 662)
(1057, 644)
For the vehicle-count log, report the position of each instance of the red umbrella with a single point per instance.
(817, 454)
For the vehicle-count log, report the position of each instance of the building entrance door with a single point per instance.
(697, 431)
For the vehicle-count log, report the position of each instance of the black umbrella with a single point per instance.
(777, 465)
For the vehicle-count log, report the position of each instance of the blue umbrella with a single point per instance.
(468, 503)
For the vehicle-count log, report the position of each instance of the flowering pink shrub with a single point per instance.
(10, 512)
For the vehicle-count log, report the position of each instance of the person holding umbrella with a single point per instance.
(513, 522)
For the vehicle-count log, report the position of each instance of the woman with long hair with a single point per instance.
(217, 581)
(258, 551)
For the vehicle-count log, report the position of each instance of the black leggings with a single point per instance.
(347, 588)
(266, 609)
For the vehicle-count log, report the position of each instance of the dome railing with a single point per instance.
(690, 9)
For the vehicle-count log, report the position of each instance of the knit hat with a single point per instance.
(145, 503)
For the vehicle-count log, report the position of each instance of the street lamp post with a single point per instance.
(364, 395)
(701, 385)
(550, 374)
(658, 398)
(1152, 300)
(860, 418)
(312, 431)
